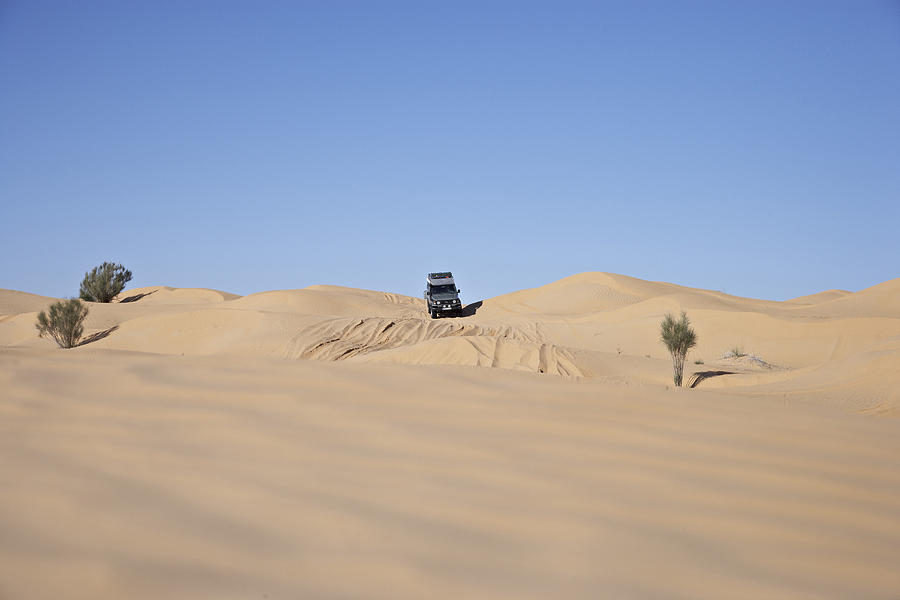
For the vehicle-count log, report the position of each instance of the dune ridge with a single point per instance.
(574, 327)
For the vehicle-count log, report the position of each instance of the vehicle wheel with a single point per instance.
(433, 314)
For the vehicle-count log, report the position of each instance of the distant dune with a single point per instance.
(336, 442)
(820, 297)
(571, 327)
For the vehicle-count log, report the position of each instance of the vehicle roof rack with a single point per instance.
(441, 278)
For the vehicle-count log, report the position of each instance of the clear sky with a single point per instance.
(751, 147)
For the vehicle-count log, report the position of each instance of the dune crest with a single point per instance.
(162, 294)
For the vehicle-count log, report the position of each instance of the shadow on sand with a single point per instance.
(470, 309)
(696, 378)
(136, 297)
(97, 336)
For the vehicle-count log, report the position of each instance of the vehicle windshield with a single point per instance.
(443, 289)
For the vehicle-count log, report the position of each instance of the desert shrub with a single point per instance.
(64, 323)
(735, 352)
(699, 361)
(679, 337)
(103, 283)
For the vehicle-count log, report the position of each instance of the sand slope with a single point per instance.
(148, 476)
(332, 442)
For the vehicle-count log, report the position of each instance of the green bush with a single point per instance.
(678, 338)
(64, 323)
(103, 283)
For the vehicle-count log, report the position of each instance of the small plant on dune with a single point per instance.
(699, 361)
(64, 323)
(736, 352)
(679, 337)
(103, 283)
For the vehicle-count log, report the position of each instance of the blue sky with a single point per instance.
(751, 147)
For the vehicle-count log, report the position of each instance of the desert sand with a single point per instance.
(331, 442)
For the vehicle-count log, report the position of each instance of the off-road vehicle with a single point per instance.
(441, 295)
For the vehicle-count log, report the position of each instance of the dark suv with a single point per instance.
(441, 295)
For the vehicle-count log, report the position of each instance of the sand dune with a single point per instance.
(167, 295)
(13, 303)
(334, 442)
(579, 322)
(820, 297)
(877, 301)
(147, 476)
